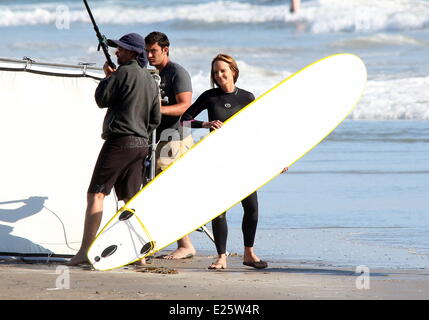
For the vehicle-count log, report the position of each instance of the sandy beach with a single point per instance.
(190, 280)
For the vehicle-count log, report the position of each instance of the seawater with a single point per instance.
(361, 196)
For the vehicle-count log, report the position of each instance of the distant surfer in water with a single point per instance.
(131, 97)
(221, 102)
(294, 6)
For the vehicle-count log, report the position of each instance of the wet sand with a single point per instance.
(190, 280)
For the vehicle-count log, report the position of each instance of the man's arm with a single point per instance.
(183, 100)
(106, 91)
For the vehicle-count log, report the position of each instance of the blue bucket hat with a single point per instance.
(133, 42)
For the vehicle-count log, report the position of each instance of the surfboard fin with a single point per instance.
(125, 215)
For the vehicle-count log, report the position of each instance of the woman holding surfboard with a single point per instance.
(221, 102)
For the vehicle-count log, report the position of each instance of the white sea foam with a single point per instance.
(392, 99)
(318, 16)
(367, 15)
(212, 12)
(383, 99)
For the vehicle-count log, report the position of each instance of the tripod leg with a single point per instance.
(208, 233)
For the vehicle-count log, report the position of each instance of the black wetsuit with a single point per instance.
(221, 106)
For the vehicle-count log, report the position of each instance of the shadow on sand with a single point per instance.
(13, 245)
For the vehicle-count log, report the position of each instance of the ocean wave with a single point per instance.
(394, 99)
(315, 16)
(379, 40)
(212, 12)
(383, 99)
(367, 15)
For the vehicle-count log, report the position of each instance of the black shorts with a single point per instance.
(120, 164)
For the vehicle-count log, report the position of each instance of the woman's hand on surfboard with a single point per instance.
(215, 124)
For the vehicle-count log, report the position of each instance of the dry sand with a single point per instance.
(190, 280)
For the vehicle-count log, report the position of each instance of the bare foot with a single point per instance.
(249, 255)
(220, 263)
(250, 259)
(180, 253)
(140, 263)
(79, 258)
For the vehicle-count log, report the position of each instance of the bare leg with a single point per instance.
(184, 250)
(94, 213)
(294, 5)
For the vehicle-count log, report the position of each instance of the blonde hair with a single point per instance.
(232, 65)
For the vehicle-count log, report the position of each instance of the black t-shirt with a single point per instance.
(174, 80)
(219, 104)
